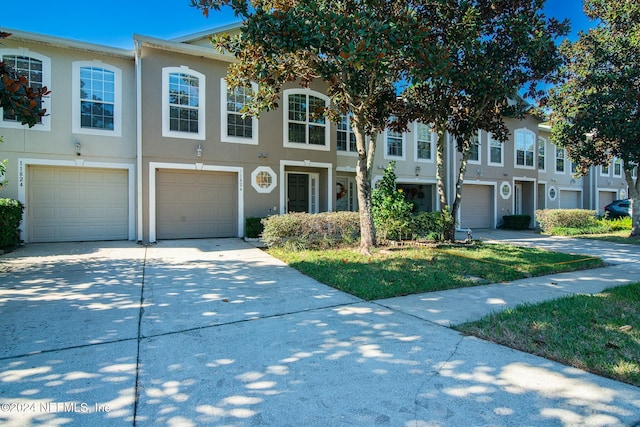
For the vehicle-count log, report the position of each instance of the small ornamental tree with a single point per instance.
(392, 212)
(493, 50)
(595, 112)
(357, 48)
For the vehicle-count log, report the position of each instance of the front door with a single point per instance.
(298, 192)
(518, 199)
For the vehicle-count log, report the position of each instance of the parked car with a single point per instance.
(618, 208)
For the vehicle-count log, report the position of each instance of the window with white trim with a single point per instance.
(542, 154)
(183, 103)
(560, 160)
(236, 125)
(305, 123)
(263, 179)
(37, 69)
(496, 153)
(394, 145)
(617, 167)
(525, 143)
(604, 170)
(346, 139)
(474, 146)
(425, 142)
(97, 98)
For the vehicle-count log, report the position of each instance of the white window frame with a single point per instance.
(479, 143)
(388, 134)
(432, 143)
(76, 120)
(617, 162)
(525, 132)
(564, 161)
(542, 146)
(166, 128)
(349, 132)
(496, 143)
(272, 185)
(45, 122)
(285, 121)
(224, 131)
(605, 170)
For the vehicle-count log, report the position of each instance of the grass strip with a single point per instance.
(409, 270)
(597, 333)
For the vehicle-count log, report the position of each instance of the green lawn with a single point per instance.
(409, 270)
(597, 333)
(621, 236)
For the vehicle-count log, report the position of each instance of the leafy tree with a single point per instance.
(595, 112)
(392, 212)
(358, 48)
(18, 99)
(493, 50)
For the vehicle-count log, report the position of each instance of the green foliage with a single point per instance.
(618, 224)
(253, 227)
(516, 222)
(549, 219)
(392, 213)
(10, 219)
(298, 231)
(601, 226)
(432, 226)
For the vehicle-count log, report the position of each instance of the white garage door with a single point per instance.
(604, 198)
(570, 199)
(477, 206)
(196, 204)
(76, 204)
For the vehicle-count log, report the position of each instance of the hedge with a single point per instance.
(548, 219)
(10, 218)
(516, 222)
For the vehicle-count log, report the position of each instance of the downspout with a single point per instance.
(138, 60)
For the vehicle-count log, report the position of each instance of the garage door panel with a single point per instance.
(477, 206)
(196, 204)
(77, 204)
(570, 199)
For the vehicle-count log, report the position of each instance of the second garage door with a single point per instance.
(570, 199)
(196, 204)
(477, 206)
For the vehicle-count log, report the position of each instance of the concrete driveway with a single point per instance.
(215, 332)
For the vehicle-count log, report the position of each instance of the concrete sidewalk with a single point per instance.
(216, 332)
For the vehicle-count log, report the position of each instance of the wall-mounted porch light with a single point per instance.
(199, 151)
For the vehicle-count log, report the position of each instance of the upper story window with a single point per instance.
(474, 153)
(524, 148)
(97, 99)
(394, 144)
(496, 153)
(37, 69)
(604, 170)
(617, 168)
(560, 159)
(346, 139)
(425, 142)
(542, 154)
(183, 103)
(305, 124)
(235, 125)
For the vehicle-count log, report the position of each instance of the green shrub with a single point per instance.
(431, 225)
(392, 213)
(568, 231)
(618, 224)
(297, 231)
(516, 222)
(253, 227)
(10, 218)
(548, 219)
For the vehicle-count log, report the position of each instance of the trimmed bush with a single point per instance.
(548, 219)
(253, 227)
(392, 213)
(431, 225)
(516, 222)
(299, 231)
(10, 219)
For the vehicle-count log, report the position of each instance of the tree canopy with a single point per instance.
(595, 112)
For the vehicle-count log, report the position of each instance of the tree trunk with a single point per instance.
(459, 182)
(363, 185)
(441, 173)
(634, 196)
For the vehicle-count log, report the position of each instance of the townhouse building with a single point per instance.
(150, 144)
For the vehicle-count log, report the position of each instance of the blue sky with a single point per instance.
(113, 23)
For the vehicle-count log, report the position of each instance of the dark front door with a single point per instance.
(298, 188)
